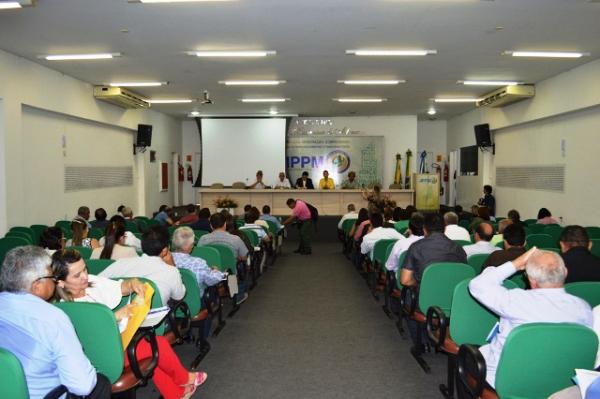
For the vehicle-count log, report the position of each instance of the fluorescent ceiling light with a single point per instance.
(251, 82)
(456, 100)
(391, 52)
(9, 5)
(67, 57)
(488, 82)
(173, 101)
(371, 82)
(257, 53)
(273, 112)
(546, 54)
(359, 100)
(264, 100)
(137, 84)
(176, 1)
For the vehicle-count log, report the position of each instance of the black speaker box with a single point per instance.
(482, 135)
(144, 136)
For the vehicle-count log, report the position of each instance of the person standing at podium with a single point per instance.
(305, 182)
(326, 183)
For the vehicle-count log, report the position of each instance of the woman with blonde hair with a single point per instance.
(80, 235)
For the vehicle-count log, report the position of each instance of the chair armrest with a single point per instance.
(149, 335)
(437, 326)
(471, 369)
(177, 327)
(408, 300)
(56, 392)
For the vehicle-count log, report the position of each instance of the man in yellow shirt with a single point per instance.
(326, 183)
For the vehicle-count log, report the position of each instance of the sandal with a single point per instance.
(200, 379)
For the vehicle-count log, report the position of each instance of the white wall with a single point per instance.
(529, 132)
(24, 83)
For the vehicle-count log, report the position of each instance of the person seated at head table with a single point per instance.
(350, 182)
(74, 284)
(282, 182)
(326, 183)
(305, 182)
(259, 181)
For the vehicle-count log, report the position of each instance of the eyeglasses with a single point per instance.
(54, 279)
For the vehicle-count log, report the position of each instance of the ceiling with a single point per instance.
(310, 37)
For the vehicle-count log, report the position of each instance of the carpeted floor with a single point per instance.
(311, 329)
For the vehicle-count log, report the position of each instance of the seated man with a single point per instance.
(203, 222)
(350, 183)
(305, 182)
(259, 181)
(191, 217)
(575, 246)
(453, 231)
(83, 215)
(100, 222)
(250, 219)
(39, 334)
(514, 246)
(350, 215)
(483, 234)
(545, 302)
(164, 216)
(266, 215)
(156, 264)
(326, 183)
(377, 232)
(183, 244)
(415, 231)
(282, 182)
(499, 236)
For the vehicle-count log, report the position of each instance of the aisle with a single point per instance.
(312, 330)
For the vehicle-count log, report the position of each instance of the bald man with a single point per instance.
(483, 236)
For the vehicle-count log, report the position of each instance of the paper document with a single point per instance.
(140, 311)
(155, 316)
(585, 379)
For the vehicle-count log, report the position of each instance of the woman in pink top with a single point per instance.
(545, 217)
(359, 226)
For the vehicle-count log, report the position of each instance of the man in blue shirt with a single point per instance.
(266, 210)
(39, 334)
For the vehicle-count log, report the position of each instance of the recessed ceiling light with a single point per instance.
(257, 53)
(371, 82)
(359, 100)
(251, 82)
(391, 52)
(69, 57)
(171, 101)
(546, 54)
(264, 100)
(9, 5)
(137, 84)
(488, 82)
(456, 100)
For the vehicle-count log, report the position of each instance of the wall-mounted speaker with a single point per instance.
(144, 136)
(482, 135)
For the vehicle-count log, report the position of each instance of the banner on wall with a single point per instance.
(338, 155)
(427, 189)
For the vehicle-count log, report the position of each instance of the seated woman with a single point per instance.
(545, 217)
(360, 224)
(80, 235)
(74, 284)
(114, 245)
(130, 239)
(52, 239)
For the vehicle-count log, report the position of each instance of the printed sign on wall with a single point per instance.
(338, 155)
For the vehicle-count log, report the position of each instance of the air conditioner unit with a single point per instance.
(507, 95)
(119, 96)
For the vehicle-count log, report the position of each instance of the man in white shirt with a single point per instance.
(350, 215)
(378, 232)
(282, 182)
(483, 235)
(546, 301)
(453, 231)
(154, 265)
(415, 231)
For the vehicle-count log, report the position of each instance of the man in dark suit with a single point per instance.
(305, 182)
(575, 246)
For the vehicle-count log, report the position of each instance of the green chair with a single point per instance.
(144, 218)
(239, 222)
(377, 264)
(96, 233)
(401, 226)
(38, 229)
(554, 230)
(593, 232)
(26, 230)
(97, 330)
(210, 255)
(142, 225)
(465, 223)
(253, 238)
(586, 290)
(529, 222)
(390, 279)
(537, 360)
(85, 252)
(199, 316)
(500, 244)
(436, 289)
(595, 246)
(536, 228)
(200, 233)
(520, 279)
(12, 379)
(97, 266)
(463, 243)
(540, 241)
(152, 223)
(171, 230)
(65, 226)
(156, 301)
(228, 258)
(555, 250)
(21, 234)
(131, 226)
(476, 262)
(8, 243)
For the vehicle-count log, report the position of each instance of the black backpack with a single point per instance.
(314, 213)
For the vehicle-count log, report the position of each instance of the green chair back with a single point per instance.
(156, 301)
(200, 233)
(593, 232)
(399, 269)
(8, 243)
(21, 234)
(380, 249)
(595, 246)
(26, 230)
(85, 252)
(12, 379)
(401, 226)
(228, 258)
(464, 223)
(97, 266)
(586, 290)
(252, 237)
(96, 233)
(554, 230)
(144, 218)
(540, 241)
(530, 222)
(142, 225)
(476, 262)
(210, 255)
(171, 230)
(471, 321)
(151, 223)
(273, 228)
(500, 244)
(536, 228)
(98, 333)
(538, 359)
(65, 226)
(38, 229)
(388, 252)
(519, 279)
(555, 250)
(131, 226)
(463, 243)
(239, 222)
(438, 283)
(192, 294)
